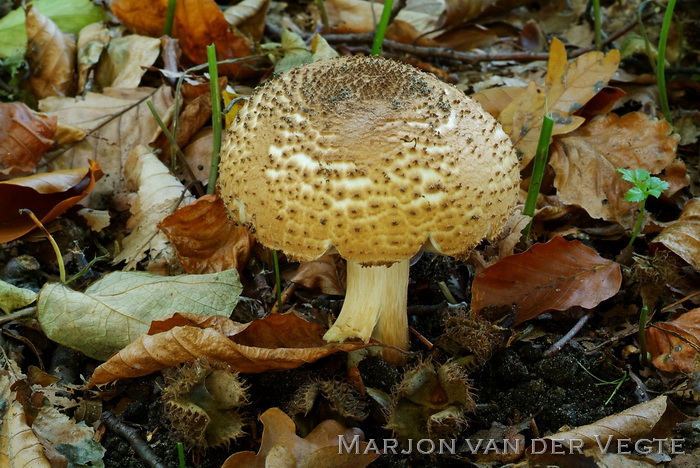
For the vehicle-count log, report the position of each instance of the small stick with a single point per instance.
(132, 436)
(421, 338)
(556, 347)
(27, 312)
(284, 297)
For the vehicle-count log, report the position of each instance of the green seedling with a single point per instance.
(597, 25)
(644, 185)
(541, 156)
(661, 60)
(215, 118)
(617, 383)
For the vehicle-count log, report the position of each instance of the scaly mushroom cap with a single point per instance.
(371, 157)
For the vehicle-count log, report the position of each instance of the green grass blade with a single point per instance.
(381, 27)
(215, 118)
(541, 156)
(169, 17)
(661, 60)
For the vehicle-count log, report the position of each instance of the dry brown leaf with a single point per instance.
(51, 57)
(494, 100)
(46, 195)
(126, 61)
(158, 195)
(676, 174)
(585, 162)
(197, 24)
(249, 17)
(674, 345)
(116, 122)
(569, 86)
(205, 239)
(92, 40)
(557, 275)
(682, 236)
(198, 156)
(281, 447)
(325, 274)
(602, 103)
(24, 137)
(276, 342)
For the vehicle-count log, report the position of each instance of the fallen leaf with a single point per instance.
(24, 137)
(682, 236)
(557, 275)
(12, 297)
(70, 16)
(114, 311)
(205, 239)
(92, 41)
(326, 274)
(674, 345)
(494, 100)
(280, 446)
(276, 342)
(249, 17)
(585, 162)
(47, 195)
(116, 121)
(159, 193)
(126, 61)
(197, 24)
(568, 87)
(74, 440)
(51, 57)
(602, 103)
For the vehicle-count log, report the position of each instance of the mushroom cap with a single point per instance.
(371, 157)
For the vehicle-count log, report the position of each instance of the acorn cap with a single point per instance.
(371, 157)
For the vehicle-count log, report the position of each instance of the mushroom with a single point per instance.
(375, 160)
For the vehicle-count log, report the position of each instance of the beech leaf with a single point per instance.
(24, 137)
(281, 446)
(674, 345)
(276, 342)
(557, 275)
(115, 310)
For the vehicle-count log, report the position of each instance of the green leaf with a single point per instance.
(115, 310)
(656, 187)
(627, 175)
(635, 194)
(69, 15)
(12, 297)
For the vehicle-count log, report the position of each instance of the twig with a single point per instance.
(556, 347)
(132, 436)
(27, 312)
(421, 338)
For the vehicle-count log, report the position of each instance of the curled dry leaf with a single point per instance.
(51, 57)
(494, 100)
(249, 17)
(197, 24)
(116, 121)
(24, 137)
(682, 236)
(281, 446)
(326, 274)
(92, 40)
(276, 342)
(205, 239)
(46, 195)
(674, 345)
(126, 61)
(115, 310)
(557, 275)
(568, 87)
(585, 162)
(158, 195)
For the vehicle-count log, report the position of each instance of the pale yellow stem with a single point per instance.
(375, 306)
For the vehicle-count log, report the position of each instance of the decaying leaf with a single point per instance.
(326, 274)
(47, 195)
(115, 310)
(92, 40)
(24, 137)
(568, 87)
(557, 275)
(197, 24)
(116, 121)
(682, 236)
(249, 17)
(276, 342)
(126, 61)
(675, 346)
(159, 193)
(51, 57)
(75, 441)
(12, 297)
(204, 239)
(281, 447)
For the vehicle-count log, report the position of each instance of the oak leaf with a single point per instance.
(24, 137)
(276, 342)
(280, 446)
(557, 275)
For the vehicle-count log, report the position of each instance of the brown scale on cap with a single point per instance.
(370, 157)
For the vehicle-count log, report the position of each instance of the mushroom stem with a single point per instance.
(375, 306)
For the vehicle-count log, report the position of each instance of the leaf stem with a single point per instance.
(640, 221)
(56, 250)
(381, 27)
(597, 25)
(215, 118)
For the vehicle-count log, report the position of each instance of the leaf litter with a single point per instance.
(96, 169)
